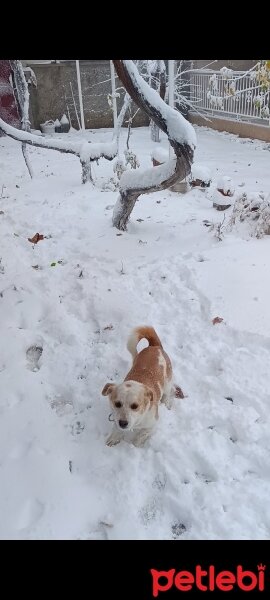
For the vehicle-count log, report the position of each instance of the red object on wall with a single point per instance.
(8, 106)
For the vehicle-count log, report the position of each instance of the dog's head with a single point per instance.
(130, 401)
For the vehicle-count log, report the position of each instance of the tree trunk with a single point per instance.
(133, 185)
(123, 209)
(160, 73)
(22, 96)
(155, 135)
(128, 196)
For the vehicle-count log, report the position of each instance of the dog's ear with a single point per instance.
(148, 394)
(108, 388)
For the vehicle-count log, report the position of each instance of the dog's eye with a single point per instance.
(134, 406)
(118, 404)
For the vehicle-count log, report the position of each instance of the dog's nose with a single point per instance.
(123, 424)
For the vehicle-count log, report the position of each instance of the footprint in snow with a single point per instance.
(33, 355)
(160, 481)
(204, 477)
(77, 428)
(178, 529)
(151, 511)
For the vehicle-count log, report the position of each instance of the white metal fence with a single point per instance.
(238, 95)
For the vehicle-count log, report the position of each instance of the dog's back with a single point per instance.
(151, 366)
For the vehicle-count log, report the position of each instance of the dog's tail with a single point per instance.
(138, 334)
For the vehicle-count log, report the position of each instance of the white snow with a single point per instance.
(226, 184)
(95, 150)
(218, 198)
(160, 154)
(200, 172)
(205, 472)
(226, 73)
(36, 132)
(144, 178)
(64, 120)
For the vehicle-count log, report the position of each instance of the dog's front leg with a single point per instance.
(115, 437)
(167, 397)
(141, 437)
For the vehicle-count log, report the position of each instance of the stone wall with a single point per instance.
(56, 83)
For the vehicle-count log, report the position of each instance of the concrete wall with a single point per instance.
(236, 65)
(53, 94)
(241, 128)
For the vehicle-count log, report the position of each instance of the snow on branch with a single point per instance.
(169, 120)
(21, 93)
(147, 178)
(86, 151)
(181, 135)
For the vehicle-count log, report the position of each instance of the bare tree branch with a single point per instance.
(86, 151)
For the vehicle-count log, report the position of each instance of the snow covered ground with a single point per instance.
(205, 474)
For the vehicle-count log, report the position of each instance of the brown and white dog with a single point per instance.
(135, 401)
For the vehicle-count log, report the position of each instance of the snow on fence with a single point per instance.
(235, 94)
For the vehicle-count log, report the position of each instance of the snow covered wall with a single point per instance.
(8, 106)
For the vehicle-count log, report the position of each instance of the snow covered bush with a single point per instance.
(218, 229)
(254, 209)
(199, 176)
(225, 186)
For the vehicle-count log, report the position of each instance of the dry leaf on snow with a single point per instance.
(217, 320)
(36, 238)
(178, 392)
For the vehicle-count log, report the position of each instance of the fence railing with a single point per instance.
(240, 95)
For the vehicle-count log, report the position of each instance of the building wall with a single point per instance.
(57, 82)
(236, 65)
(242, 128)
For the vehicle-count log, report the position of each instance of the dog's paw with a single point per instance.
(140, 440)
(168, 401)
(139, 443)
(112, 440)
